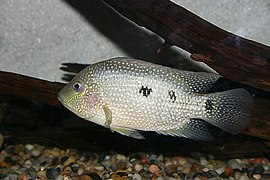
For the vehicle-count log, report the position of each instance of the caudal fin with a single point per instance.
(229, 110)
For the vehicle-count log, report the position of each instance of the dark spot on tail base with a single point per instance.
(209, 105)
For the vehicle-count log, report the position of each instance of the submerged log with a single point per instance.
(30, 88)
(236, 58)
(45, 92)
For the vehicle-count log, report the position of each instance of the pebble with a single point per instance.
(12, 176)
(217, 178)
(35, 152)
(203, 161)
(19, 162)
(28, 163)
(182, 161)
(75, 168)
(121, 166)
(257, 176)
(55, 161)
(31, 172)
(234, 164)
(160, 178)
(70, 160)
(221, 170)
(99, 168)
(138, 167)
(186, 170)
(228, 171)
(136, 176)
(29, 147)
(213, 173)
(237, 175)
(160, 158)
(59, 177)
(67, 171)
(258, 160)
(55, 152)
(83, 177)
(249, 167)
(80, 171)
(258, 169)
(196, 167)
(19, 148)
(244, 177)
(121, 157)
(52, 173)
(42, 175)
(154, 169)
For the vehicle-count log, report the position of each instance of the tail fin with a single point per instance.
(229, 110)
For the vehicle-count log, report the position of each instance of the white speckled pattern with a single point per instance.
(121, 81)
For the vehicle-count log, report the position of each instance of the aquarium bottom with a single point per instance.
(35, 161)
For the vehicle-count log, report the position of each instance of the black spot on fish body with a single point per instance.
(209, 105)
(145, 91)
(172, 95)
(148, 91)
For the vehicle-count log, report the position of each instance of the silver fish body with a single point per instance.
(127, 95)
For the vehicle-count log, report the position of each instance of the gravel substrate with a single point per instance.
(33, 161)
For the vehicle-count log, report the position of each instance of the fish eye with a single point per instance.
(77, 86)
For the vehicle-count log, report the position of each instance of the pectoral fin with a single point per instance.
(128, 132)
(108, 115)
(195, 129)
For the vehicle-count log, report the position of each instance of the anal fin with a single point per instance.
(195, 129)
(128, 132)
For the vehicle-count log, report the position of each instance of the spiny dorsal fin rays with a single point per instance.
(200, 82)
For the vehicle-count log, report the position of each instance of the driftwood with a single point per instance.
(236, 58)
(45, 92)
(30, 88)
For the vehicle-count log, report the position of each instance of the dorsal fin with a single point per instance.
(200, 82)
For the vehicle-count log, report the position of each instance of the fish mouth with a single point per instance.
(62, 100)
(65, 104)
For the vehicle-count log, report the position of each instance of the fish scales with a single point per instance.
(127, 95)
(154, 112)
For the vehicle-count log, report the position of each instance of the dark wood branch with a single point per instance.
(236, 58)
(260, 120)
(30, 88)
(45, 92)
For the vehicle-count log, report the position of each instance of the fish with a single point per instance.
(130, 96)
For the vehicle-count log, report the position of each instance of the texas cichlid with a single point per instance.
(127, 95)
